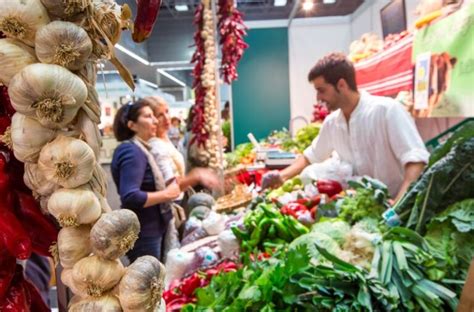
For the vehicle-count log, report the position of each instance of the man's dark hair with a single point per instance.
(126, 113)
(333, 67)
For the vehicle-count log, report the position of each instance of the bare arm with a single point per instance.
(295, 168)
(412, 172)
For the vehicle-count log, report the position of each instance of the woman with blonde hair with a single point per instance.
(169, 159)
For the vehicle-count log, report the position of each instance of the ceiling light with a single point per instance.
(171, 77)
(308, 5)
(329, 1)
(181, 7)
(279, 3)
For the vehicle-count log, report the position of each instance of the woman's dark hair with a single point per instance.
(126, 113)
(333, 67)
(189, 120)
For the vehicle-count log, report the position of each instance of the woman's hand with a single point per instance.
(172, 191)
(208, 178)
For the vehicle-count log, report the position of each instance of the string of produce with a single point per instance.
(51, 55)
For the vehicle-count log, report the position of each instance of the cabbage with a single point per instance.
(311, 239)
(335, 229)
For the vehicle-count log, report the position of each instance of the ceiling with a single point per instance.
(170, 46)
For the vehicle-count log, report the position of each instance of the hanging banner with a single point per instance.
(450, 43)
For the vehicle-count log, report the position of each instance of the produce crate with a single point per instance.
(442, 137)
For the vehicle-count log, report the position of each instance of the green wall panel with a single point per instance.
(261, 95)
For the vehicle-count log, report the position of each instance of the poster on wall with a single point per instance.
(451, 66)
(422, 81)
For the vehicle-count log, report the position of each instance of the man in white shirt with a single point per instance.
(374, 134)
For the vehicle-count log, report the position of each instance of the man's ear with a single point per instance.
(342, 84)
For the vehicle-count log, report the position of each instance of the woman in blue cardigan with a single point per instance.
(139, 182)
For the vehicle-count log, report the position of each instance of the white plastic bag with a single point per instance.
(177, 263)
(331, 169)
(214, 224)
(228, 244)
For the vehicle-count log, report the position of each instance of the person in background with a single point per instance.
(139, 182)
(225, 113)
(174, 132)
(169, 159)
(372, 133)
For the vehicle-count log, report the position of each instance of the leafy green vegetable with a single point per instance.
(334, 228)
(460, 135)
(312, 240)
(448, 180)
(365, 203)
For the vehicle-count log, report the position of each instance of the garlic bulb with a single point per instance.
(36, 181)
(51, 93)
(20, 19)
(29, 137)
(72, 207)
(67, 161)
(64, 44)
(94, 276)
(66, 9)
(107, 303)
(142, 285)
(14, 56)
(108, 16)
(73, 245)
(115, 233)
(66, 278)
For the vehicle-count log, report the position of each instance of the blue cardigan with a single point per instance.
(133, 177)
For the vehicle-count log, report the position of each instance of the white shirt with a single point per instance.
(169, 159)
(380, 139)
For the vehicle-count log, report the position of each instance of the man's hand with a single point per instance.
(272, 179)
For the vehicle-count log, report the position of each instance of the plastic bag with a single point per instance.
(214, 223)
(228, 244)
(330, 169)
(191, 225)
(195, 235)
(177, 263)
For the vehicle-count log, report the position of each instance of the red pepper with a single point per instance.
(314, 201)
(313, 212)
(171, 294)
(147, 12)
(37, 303)
(7, 270)
(177, 304)
(329, 187)
(190, 284)
(13, 235)
(17, 299)
(41, 229)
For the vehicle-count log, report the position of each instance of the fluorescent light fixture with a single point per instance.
(108, 72)
(329, 1)
(181, 7)
(171, 77)
(308, 5)
(279, 3)
(131, 54)
(148, 83)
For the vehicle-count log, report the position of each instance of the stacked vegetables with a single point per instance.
(51, 78)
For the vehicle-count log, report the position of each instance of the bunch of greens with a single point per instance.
(403, 264)
(241, 151)
(304, 137)
(370, 200)
(450, 237)
(447, 180)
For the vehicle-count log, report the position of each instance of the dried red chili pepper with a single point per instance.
(37, 303)
(41, 229)
(147, 12)
(17, 298)
(7, 270)
(13, 234)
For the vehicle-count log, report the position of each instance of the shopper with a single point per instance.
(374, 134)
(169, 159)
(139, 182)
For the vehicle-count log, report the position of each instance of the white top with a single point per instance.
(380, 139)
(169, 159)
